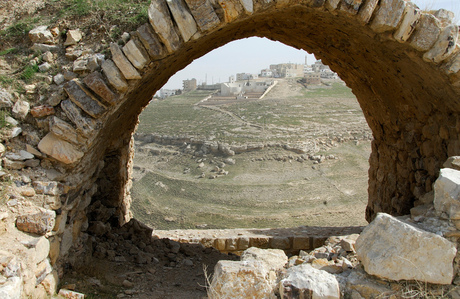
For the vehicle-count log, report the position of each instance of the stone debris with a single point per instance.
(21, 109)
(42, 111)
(42, 35)
(38, 223)
(6, 99)
(401, 251)
(447, 192)
(73, 37)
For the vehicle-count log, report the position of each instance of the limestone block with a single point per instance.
(54, 249)
(44, 67)
(231, 244)
(304, 281)
(243, 243)
(73, 37)
(97, 84)
(38, 223)
(47, 188)
(273, 259)
(248, 6)
(219, 244)
(81, 97)
(365, 285)
(50, 282)
(445, 16)
(43, 269)
(301, 243)
(184, 20)
(12, 288)
(149, 39)
(231, 9)
(42, 111)
(42, 35)
(20, 156)
(11, 164)
(452, 162)
(114, 76)
(85, 125)
(350, 6)
(366, 11)
(388, 15)
(160, 20)
(205, 16)
(392, 249)
(233, 279)
(410, 19)
(280, 243)
(59, 149)
(444, 46)
(71, 294)
(426, 33)
(21, 109)
(331, 5)
(44, 48)
(259, 242)
(136, 53)
(64, 130)
(126, 68)
(447, 192)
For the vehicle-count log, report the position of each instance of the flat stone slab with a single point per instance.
(59, 149)
(83, 99)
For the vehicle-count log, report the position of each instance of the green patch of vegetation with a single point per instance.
(19, 28)
(8, 51)
(29, 72)
(5, 80)
(3, 115)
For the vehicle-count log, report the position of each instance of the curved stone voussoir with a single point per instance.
(84, 99)
(444, 46)
(161, 21)
(204, 14)
(97, 84)
(388, 15)
(184, 19)
(367, 10)
(426, 33)
(350, 6)
(231, 9)
(150, 40)
(126, 68)
(410, 19)
(137, 55)
(114, 76)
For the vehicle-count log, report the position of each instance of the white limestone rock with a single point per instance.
(444, 46)
(12, 288)
(42, 35)
(5, 99)
(129, 72)
(388, 15)
(304, 281)
(135, 52)
(159, 17)
(395, 250)
(20, 109)
(410, 18)
(274, 259)
(73, 37)
(184, 20)
(447, 192)
(59, 149)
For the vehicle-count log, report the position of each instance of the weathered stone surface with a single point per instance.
(149, 39)
(350, 6)
(248, 6)
(42, 35)
(161, 21)
(127, 69)
(388, 15)
(38, 223)
(71, 294)
(59, 79)
(21, 109)
(447, 193)
(73, 37)
(21, 156)
(445, 16)
(184, 20)
(426, 33)
(231, 9)
(452, 162)
(410, 19)
(80, 65)
(12, 288)
(136, 54)
(85, 125)
(366, 11)
(273, 259)
(114, 76)
(47, 188)
(42, 111)
(11, 164)
(205, 16)
(331, 5)
(251, 278)
(45, 48)
(59, 149)
(44, 67)
(365, 286)
(83, 98)
(392, 249)
(5, 99)
(97, 84)
(444, 46)
(304, 281)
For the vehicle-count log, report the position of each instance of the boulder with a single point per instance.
(273, 259)
(304, 281)
(392, 249)
(38, 223)
(447, 192)
(42, 35)
(59, 149)
(21, 109)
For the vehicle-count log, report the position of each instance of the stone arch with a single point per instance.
(402, 64)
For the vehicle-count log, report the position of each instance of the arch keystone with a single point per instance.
(444, 46)
(184, 20)
(388, 15)
(160, 19)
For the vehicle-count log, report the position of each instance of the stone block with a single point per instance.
(231, 244)
(447, 193)
(11, 164)
(12, 288)
(219, 244)
(259, 242)
(42, 35)
(426, 33)
(39, 223)
(6, 99)
(184, 20)
(280, 243)
(331, 5)
(231, 9)
(452, 162)
(42, 111)
(318, 241)
(44, 47)
(350, 6)
(65, 131)
(21, 109)
(205, 16)
(126, 68)
(243, 243)
(47, 188)
(59, 149)
(160, 20)
(272, 259)
(97, 84)
(410, 19)
(136, 53)
(84, 99)
(114, 76)
(302, 243)
(149, 39)
(304, 281)
(388, 15)
(392, 249)
(367, 10)
(444, 46)
(248, 6)
(85, 125)
(73, 37)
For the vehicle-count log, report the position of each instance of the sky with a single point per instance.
(250, 55)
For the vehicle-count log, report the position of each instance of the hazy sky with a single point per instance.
(250, 55)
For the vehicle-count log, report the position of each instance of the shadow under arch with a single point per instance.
(410, 105)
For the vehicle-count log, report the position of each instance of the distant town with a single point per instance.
(246, 85)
